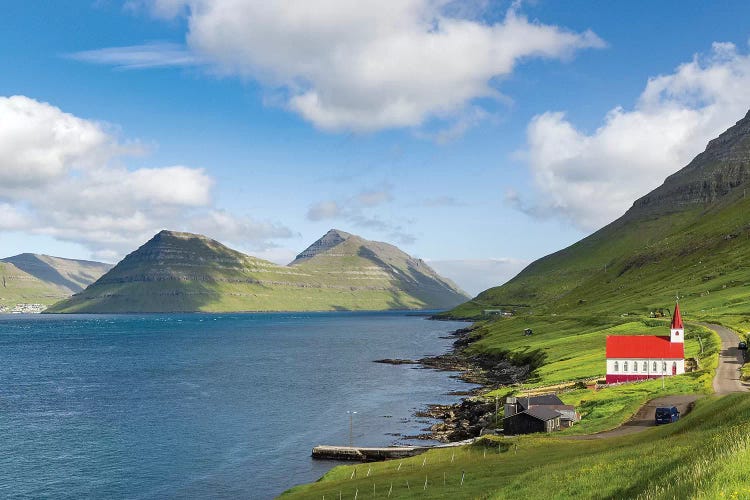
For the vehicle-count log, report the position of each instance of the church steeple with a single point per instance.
(678, 330)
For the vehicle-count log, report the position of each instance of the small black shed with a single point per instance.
(535, 419)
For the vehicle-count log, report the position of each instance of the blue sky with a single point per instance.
(478, 135)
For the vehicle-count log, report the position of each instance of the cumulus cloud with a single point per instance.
(60, 175)
(477, 275)
(362, 66)
(40, 144)
(592, 178)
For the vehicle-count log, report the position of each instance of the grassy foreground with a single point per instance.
(705, 455)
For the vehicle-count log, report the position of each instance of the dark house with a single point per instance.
(544, 413)
(536, 419)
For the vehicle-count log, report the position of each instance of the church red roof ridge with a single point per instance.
(643, 347)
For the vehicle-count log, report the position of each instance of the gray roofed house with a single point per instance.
(536, 419)
(543, 400)
(543, 413)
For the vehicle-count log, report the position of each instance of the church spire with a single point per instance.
(678, 330)
(676, 318)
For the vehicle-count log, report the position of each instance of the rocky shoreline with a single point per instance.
(473, 416)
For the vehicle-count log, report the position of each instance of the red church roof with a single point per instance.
(643, 346)
(676, 318)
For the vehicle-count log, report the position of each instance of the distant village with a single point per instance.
(23, 309)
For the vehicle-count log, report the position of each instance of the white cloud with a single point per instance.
(40, 144)
(477, 275)
(11, 218)
(323, 210)
(147, 55)
(362, 66)
(60, 176)
(594, 178)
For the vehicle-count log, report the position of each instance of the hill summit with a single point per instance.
(177, 271)
(690, 236)
(326, 242)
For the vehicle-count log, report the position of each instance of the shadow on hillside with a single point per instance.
(433, 292)
(42, 271)
(180, 276)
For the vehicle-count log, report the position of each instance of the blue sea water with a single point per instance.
(203, 405)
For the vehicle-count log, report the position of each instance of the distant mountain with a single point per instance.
(188, 272)
(326, 242)
(41, 279)
(689, 236)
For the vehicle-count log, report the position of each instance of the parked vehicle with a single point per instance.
(742, 346)
(667, 415)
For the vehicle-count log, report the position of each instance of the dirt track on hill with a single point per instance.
(727, 380)
(645, 416)
(730, 360)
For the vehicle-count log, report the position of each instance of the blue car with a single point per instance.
(667, 415)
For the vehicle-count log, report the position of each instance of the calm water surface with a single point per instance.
(219, 406)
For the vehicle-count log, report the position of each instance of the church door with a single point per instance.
(674, 368)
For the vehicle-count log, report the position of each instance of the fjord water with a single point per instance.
(203, 406)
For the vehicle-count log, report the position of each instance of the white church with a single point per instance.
(640, 357)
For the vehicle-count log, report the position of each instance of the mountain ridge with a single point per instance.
(176, 271)
(30, 278)
(689, 235)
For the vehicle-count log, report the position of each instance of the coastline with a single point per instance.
(472, 416)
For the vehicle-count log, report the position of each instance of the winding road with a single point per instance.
(727, 377)
(726, 380)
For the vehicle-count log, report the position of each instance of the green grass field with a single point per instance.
(704, 455)
(17, 287)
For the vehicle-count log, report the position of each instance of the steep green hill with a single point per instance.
(689, 236)
(187, 272)
(41, 279)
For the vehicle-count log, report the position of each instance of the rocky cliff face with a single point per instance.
(715, 173)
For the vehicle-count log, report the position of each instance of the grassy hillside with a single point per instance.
(704, 455)
(41, 279)
(691, 237)
(186, 272)
(19, 287)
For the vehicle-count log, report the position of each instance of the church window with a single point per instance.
(654, 367)
(617, 366)
(645, 366)
(664, 367)
(635, 366)
(625, 366)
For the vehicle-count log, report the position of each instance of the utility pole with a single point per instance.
(495, 410)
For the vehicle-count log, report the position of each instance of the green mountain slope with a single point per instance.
(41, 279)
(187, 272)
(689, 236)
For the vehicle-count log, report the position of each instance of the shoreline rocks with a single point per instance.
(471, 417)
